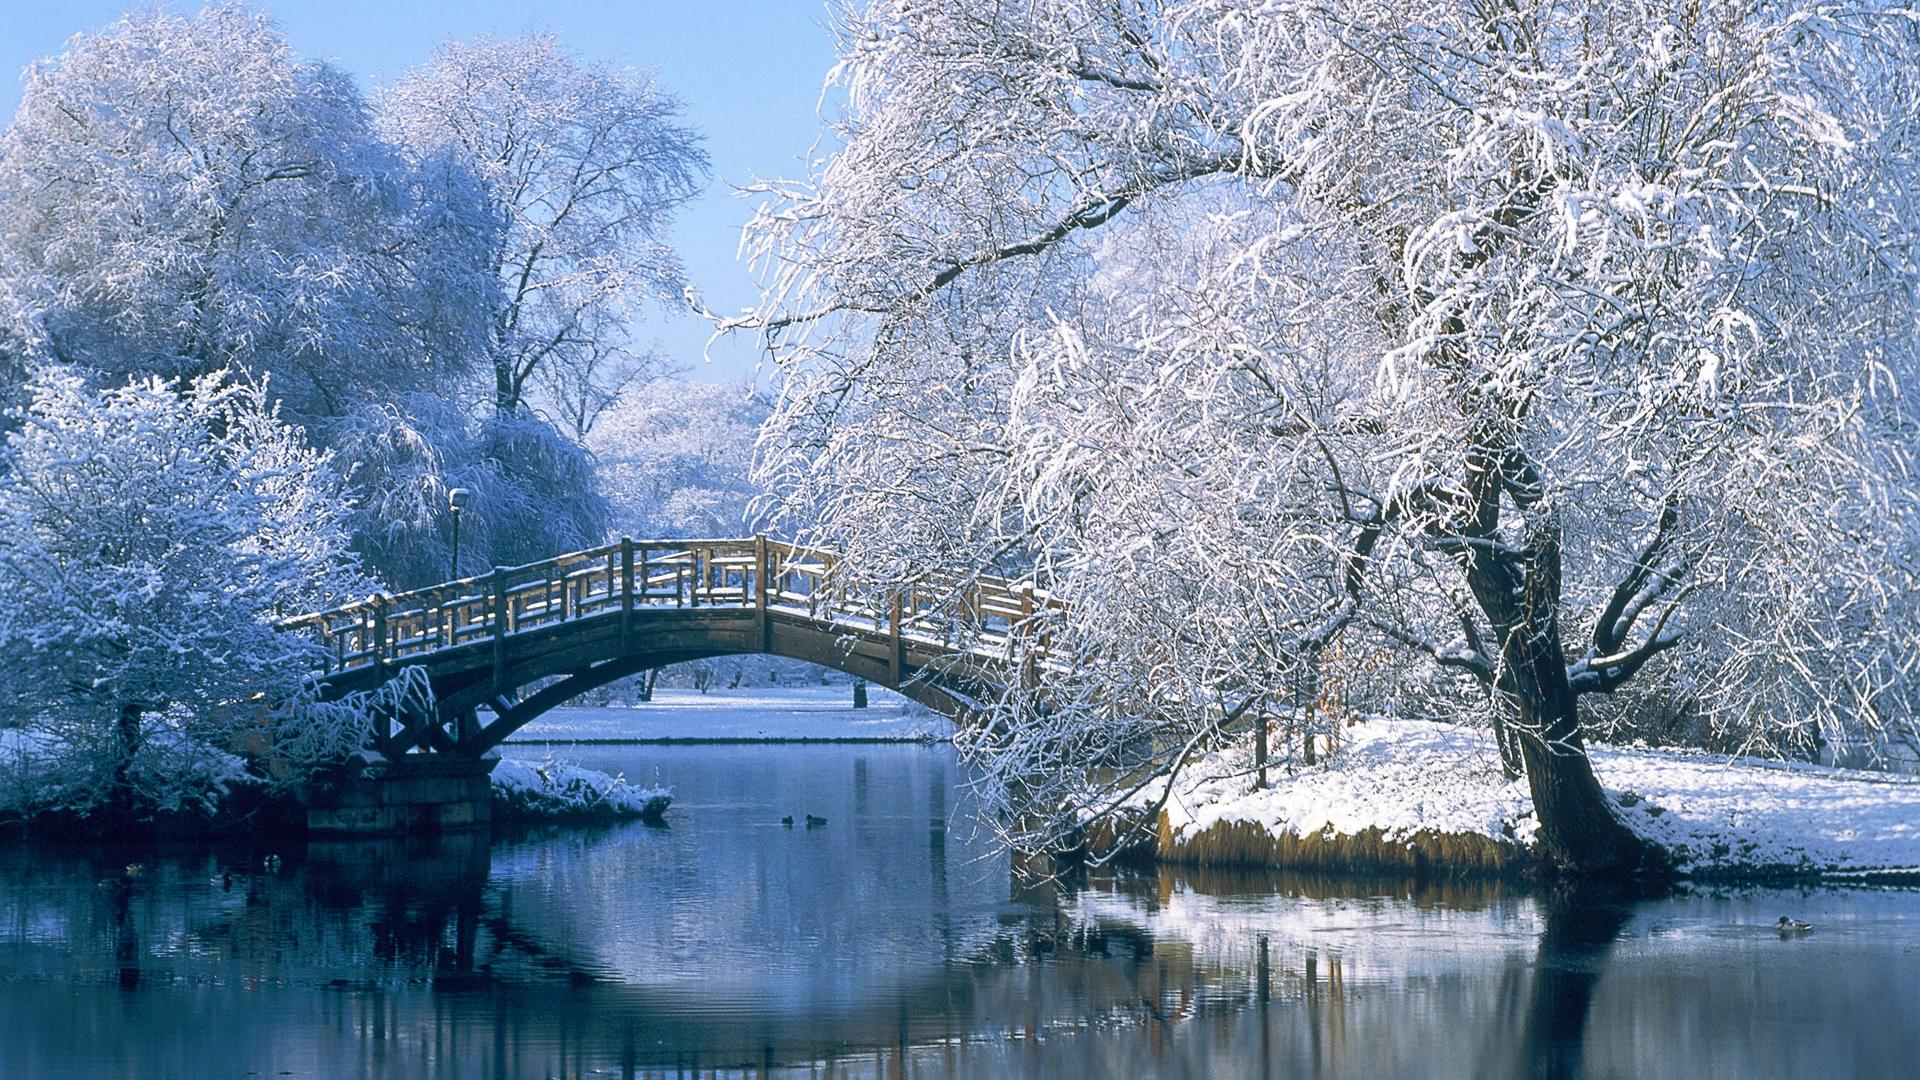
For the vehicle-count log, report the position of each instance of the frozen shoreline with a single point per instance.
(1411, 783)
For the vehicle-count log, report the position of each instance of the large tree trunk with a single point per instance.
(1578, 826)
(120, 786)
(506, 389)
(1519, 590)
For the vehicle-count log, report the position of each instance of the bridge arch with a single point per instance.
(583, 620)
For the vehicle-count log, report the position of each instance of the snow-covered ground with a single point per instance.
(760, 713)
(1720, 814)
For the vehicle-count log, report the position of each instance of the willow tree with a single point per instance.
(1551, 344)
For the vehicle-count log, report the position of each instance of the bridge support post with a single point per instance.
(626, 593)
(497, 600)
(762, 585)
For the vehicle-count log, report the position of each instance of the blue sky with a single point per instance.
(749, 71)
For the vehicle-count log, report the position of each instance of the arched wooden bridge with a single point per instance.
(524, 639)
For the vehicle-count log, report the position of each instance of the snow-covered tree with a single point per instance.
(1545, 343)
(182, 193)
(583, 165)
(534, 492)
(150, 537)
(676, 459)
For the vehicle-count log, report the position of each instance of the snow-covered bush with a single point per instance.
(556, 790)
(150, 537)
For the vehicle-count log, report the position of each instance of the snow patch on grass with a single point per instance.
(1399, 777)
(1726, 815)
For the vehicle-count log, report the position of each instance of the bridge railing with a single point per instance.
(980, 613)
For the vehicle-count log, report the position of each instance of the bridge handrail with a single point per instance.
(757, 572)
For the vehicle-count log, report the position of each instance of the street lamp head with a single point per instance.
(458, 498)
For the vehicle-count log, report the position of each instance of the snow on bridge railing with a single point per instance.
(978, 613)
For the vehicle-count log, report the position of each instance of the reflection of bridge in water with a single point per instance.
(579, 621)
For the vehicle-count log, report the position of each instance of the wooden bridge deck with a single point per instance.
(581, 620)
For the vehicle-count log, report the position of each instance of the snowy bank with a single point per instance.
(174, 777)
(1412, 795)
(761, 714)
(550, 790)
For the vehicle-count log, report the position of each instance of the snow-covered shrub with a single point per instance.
(557, 790)
(150, 538)
(174, 770)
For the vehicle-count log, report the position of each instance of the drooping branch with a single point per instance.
(1468, 659)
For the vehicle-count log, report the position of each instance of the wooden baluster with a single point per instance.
(379, 630)
(761, 559)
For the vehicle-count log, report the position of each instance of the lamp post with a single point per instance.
(456, 501)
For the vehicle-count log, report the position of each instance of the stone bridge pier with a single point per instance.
(414, 793)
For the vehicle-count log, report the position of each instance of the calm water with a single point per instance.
(894, 942)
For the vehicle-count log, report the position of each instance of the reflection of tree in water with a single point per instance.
(425, 898)
(126, 937)
(1582, 922)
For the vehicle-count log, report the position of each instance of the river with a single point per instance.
(895, 940)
